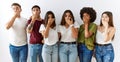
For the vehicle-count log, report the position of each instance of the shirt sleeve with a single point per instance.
(42, 27)
(58, 28)
(93, 28)
(76, 25)
(28, 22)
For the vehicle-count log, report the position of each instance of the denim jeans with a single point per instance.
(36, 51)
(68, 52)
(19, 53)
(50, 53)
(104, 53)
(85, 55)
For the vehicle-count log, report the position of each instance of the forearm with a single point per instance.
(106, 35)
(87, 34)
(74, 32)
(30, 27)
(46, 31)
(10, 23)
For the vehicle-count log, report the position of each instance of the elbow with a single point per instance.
(7, 27)
(28, 31)
(87, 36)
(75, 36)
(45, 36)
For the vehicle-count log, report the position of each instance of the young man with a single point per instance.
(35, 37)
(17, 25)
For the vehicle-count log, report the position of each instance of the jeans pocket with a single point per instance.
(109, 47)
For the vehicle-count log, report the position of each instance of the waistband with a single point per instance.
(102, 44)
(68, 42)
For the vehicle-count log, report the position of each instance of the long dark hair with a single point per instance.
(63, 22)
(46, 19)
(110, 15)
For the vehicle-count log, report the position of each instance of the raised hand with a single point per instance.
(69, 21)
(17, 13)
(50, 21)
(85, 20)
(105, 24)
(34, 17)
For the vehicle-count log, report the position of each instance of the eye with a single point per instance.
(65, 15)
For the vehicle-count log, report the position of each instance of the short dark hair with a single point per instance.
(90, 11)
(36, 6)
(16, 4)
(46, 19)
(63, 22)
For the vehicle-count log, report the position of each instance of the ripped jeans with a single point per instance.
(104, 53)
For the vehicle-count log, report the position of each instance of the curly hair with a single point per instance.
(90, 11)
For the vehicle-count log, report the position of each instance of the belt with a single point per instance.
(68, 42)
(102, 44)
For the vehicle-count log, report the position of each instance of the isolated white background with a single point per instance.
(58, 7)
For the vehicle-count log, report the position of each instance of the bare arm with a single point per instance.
(74, 32)
(46, 33)
(30, 26)
(11, 22)
(109, 35)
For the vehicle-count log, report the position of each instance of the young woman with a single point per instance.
(49, 32)
(86, 34)
(68, 32)
(105, 34)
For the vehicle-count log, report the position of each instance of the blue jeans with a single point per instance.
(36, 51)
(19, 53)
(104, 53)
(85, 55)
(68, 52)
(50, 53)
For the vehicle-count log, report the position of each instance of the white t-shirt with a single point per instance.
(18, 33)
(100, 38)
(66, 33)
(52, 36)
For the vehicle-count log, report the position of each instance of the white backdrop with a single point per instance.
(58, 7)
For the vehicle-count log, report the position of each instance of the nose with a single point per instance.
(103, 19)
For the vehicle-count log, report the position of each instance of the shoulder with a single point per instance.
(93, 24)
(43, 21)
